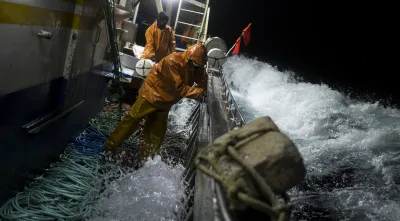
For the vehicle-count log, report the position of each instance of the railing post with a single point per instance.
(233, 110)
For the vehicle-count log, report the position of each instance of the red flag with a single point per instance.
(246, 35)
(237, 47)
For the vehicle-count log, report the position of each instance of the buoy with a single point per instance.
(143, 67)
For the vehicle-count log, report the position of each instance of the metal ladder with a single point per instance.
(204, 13)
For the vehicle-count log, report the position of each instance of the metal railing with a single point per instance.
(234, 120)
(186, 205)
(189, 175)
(235, 116)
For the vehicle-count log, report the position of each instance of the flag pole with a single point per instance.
(227, 53)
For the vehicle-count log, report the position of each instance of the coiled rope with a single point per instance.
(64, 192)
(69, 188)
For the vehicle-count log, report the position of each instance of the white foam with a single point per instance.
(150, 193)
(331, 130)
(153, 192)
(180, 114)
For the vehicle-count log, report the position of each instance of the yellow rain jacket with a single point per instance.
(159, 43)
(167, 82)
(170, 80)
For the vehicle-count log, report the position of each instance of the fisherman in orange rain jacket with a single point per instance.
(160, 39)
(191, 32)
(167, 82)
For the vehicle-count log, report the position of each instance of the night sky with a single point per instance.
(349, 46)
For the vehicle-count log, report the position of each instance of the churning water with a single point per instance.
(150, 193)
(351, 148)
(153, 192)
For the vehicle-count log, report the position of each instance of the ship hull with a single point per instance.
(25, 151)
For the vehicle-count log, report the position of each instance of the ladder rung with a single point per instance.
(196, 3)
(186, 37)
(189, 24)
(180, 49)
(200, 13)
(122, 30)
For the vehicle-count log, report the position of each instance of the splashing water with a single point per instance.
(180, 114)
(151, 193)
(351, 148)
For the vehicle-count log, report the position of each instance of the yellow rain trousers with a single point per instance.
(153, 133)
(167, 82)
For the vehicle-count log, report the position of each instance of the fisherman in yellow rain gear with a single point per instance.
(191, 32)
(160, 39)
(167, 82)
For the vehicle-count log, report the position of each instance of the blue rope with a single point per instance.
(89, 142)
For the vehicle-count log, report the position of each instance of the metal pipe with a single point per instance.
(202, 22)
(159, 6)
(197, 3)
(177, 14)
(185, 37)
(227, 53)
(206, 25)
(184, 205)
(222, 203)
(186, 10)
(38, 120)
(189, 170)
(198, 26)
(169, 11)
(192, 116)
(135, 14)
(54, 119)
(191, 178)
(231, 101)
(191, 153)
(189, 216)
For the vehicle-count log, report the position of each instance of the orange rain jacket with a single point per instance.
(159, 43)
(170, 80)
(189, 33)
